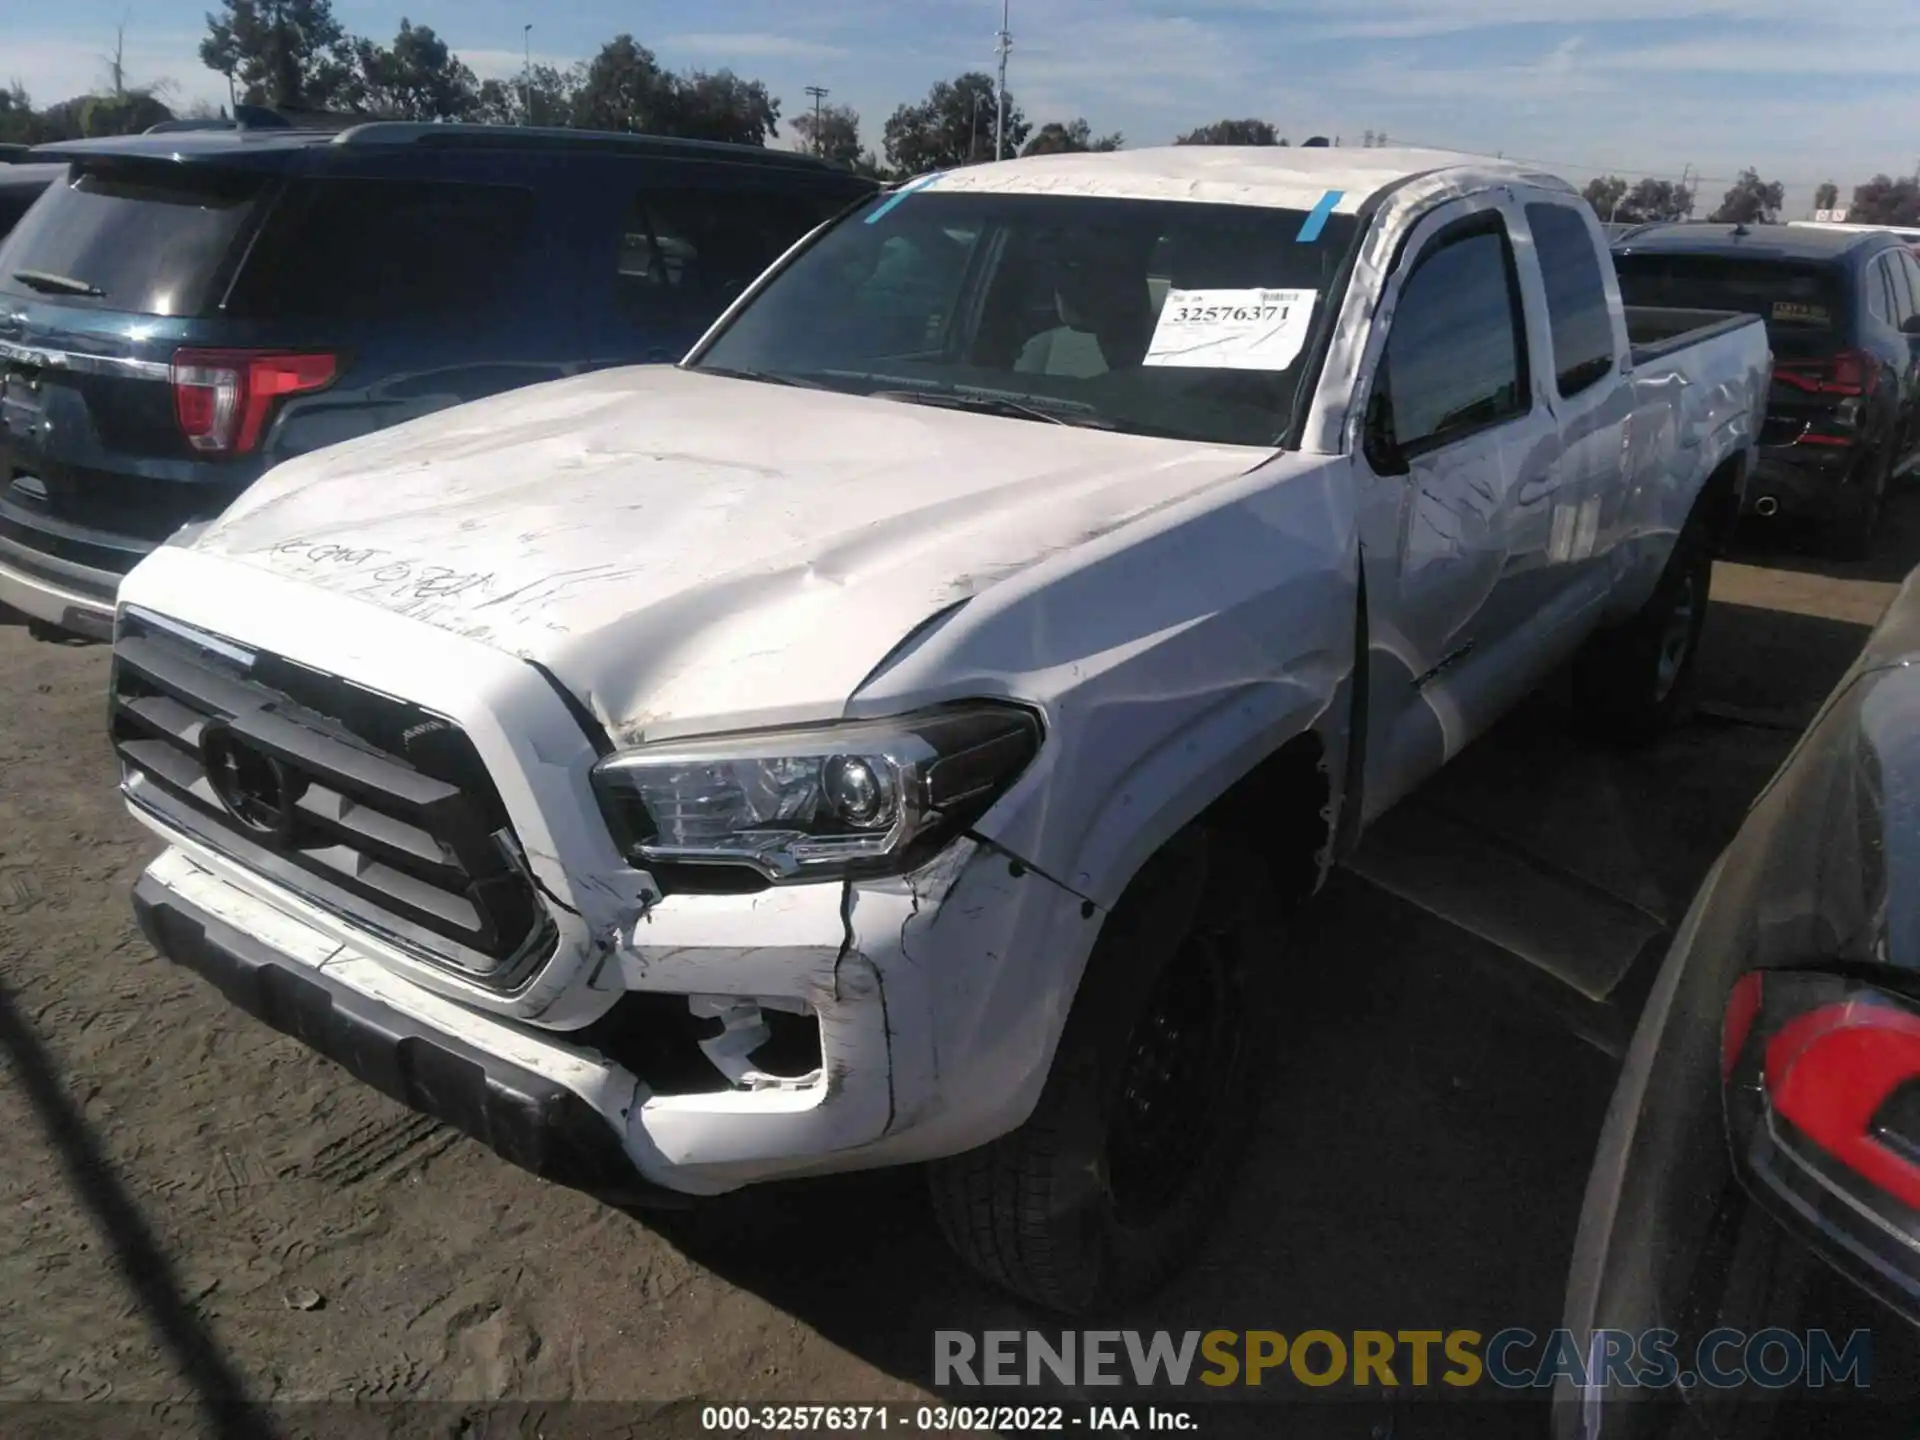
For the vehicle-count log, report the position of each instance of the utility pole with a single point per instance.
(819, 93)
(1687, 190)
(1004, 44)
(526, 75)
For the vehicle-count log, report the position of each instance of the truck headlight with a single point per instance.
(825, 802)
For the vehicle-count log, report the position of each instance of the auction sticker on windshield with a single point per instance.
(1232, 329)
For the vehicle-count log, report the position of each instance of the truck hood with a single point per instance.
(680, 549)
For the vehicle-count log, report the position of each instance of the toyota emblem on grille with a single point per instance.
(257, 789)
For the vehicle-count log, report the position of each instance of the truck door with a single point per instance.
(1455, 450)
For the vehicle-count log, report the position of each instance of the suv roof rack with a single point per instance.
(529, 137)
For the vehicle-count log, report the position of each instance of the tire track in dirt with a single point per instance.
(377, 1147)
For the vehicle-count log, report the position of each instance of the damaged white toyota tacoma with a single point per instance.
(900, 733)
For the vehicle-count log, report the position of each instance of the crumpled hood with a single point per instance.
(679, 548)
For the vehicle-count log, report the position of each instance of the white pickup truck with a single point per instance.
(900, 732)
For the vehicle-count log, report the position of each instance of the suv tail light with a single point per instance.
(223, 398)
(1846, 373)
(1823, 1114)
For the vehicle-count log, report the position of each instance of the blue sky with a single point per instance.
(1802, 92)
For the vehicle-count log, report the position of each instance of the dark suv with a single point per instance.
(187, 309)
(1843, 314)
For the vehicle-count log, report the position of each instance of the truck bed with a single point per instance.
(1656, 331)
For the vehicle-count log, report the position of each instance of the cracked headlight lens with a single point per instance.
(826, 802)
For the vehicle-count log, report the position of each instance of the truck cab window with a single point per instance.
(1456, 357)
(1576, 297)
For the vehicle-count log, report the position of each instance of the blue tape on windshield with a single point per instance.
(1317, 219)
(894, 199)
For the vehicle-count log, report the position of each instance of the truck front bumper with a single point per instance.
(529, 1118)
(939, 1000)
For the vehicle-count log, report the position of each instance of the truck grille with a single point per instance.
(372, 808)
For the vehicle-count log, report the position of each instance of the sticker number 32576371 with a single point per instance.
(1232, 329)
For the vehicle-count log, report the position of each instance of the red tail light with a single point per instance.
(224, 398)
(1847, 373)
(1832, 1071)
(1822, 1104)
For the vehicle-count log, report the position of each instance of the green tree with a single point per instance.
(554, 95)
(288, 53)
(1886, 201)
(1751, 201)
(1233, 132)
(835, 137)
(954, 125)
(624, 88)
(127, 113)
(1603, 193)
(1656, 200)
(418, 78)
(1827, 197)
(719, 106)
(19, 121)
(1075, 136)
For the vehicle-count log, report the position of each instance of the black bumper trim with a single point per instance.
(536, 1123)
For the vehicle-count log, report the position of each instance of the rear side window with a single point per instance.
(1879, 300)
(145, 239)
(384, 249)
(1899, 293)
(1908, 271)
(15, 201)
(687, 254)
(1804, 305)
(1456, 356)
(1576, 296)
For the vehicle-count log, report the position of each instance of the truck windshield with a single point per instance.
(1168, 318)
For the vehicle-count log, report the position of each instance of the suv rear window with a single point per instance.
(1804, 305)
(150, 239)
(349, 249)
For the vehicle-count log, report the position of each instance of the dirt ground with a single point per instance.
(197, 1210)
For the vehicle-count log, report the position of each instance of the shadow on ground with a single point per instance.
(142, 1261)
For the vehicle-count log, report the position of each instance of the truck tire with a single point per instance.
(1857, 520)
(1108, 1186)
(1634, 681)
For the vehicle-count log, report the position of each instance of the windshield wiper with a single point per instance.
(767, 376)
(996, 405)
(48, 283)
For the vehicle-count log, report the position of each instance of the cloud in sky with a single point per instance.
(1638, 86)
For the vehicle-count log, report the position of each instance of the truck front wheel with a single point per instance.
(1107, 1188)
(1635, 681)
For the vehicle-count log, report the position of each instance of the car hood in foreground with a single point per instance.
(676, 546)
